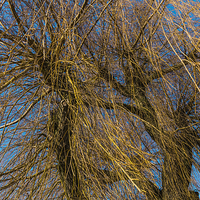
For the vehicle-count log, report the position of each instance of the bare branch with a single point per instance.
(27, 111)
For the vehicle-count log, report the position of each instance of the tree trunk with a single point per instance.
(177, 170)
(67, 167)
(66, 163)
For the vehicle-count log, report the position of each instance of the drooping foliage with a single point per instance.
(99, 99)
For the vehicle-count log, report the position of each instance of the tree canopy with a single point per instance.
(99, 99)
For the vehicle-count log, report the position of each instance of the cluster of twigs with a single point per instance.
(99, 99)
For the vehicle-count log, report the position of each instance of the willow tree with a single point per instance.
(99, 99)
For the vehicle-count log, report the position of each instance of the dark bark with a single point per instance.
(177, 170)
(177, 149)
(61, 128)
